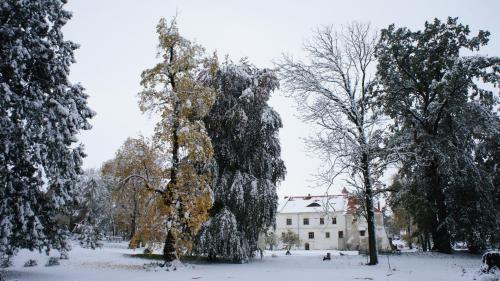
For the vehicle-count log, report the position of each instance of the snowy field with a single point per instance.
(112, 264)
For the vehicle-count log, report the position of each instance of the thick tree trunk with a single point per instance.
(422, 242)
(133, 224)
(440, 235)
(212, 257)
(370, 213)
(169, 253)
(473, 247)
(132, 234)
(175, 146)
(170, 245)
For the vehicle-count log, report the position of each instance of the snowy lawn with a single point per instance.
(112, 264)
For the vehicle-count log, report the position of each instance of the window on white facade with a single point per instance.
(288, 221)
(334, 220)
(327, 234)
(321, 221)
(341, 234)
(311, 235)
(306, 221)
(282, 235)
(362, 233)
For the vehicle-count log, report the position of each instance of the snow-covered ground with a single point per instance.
(111, 264)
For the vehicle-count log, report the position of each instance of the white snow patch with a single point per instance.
(112, 263)
(246, 94)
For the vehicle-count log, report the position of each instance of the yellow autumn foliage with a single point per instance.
(174, 89)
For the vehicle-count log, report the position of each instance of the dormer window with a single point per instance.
(314, 204)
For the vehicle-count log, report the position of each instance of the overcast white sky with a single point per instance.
(118, 41)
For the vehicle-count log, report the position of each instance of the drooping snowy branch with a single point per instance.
(243, 129)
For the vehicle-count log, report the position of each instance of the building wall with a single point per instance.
(357, 242)
(347, 223)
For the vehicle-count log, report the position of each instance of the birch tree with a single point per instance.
(333, 88)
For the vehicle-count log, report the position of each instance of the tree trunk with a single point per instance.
(169, 253)
(212, 257)
(370, 213)
(422, 242)
(175, 146)
(440, 235)
(170, 245)
(133, 225)
(410, 245)
(427, 241)
(473, 247)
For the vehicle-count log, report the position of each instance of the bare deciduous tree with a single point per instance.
(290, 239)
(333, 88)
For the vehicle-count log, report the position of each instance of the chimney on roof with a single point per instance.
(344, 191)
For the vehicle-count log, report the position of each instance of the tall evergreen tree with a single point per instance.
(441, 113)
(174, 89)
(244, 133)
(40, 114)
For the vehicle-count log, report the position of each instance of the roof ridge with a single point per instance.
(284, 205)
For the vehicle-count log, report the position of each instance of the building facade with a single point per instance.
(328, 222)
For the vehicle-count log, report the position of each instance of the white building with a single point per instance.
(328, 222)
